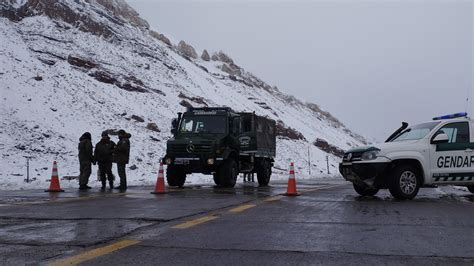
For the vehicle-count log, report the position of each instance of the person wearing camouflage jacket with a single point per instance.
(86, 158)
(103, 155)
(122, 155)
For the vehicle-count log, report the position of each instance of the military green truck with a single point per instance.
(220, 142)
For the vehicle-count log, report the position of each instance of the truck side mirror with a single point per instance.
(440, 138)
(174, 126)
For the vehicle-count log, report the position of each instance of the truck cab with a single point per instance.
(438, 152)
(220, 142)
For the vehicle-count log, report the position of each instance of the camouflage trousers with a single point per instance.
(122, 174)
(85, 171)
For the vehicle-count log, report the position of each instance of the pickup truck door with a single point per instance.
(453, 162)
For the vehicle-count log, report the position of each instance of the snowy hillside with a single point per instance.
(68, 66)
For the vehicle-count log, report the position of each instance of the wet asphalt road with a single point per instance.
(327, 224)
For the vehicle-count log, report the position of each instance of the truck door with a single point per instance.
(453, 162)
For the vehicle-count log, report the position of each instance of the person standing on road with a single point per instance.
(103, 155)
(85, 160)
(122, 155)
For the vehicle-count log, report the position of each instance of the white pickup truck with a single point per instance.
(439, 152)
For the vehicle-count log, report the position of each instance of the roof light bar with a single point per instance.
(464, 114)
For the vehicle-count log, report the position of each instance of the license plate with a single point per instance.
(181, 161)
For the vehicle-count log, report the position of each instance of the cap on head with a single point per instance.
(85, 135)
(105, 134)
(121, 132)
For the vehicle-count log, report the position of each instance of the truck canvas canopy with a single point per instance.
(258, 134)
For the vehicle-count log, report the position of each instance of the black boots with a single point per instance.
(111, 185)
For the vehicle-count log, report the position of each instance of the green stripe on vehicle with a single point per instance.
(457, 177)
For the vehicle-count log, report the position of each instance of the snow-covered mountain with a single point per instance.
(69, 66)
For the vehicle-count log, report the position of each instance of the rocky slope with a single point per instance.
(72, 66)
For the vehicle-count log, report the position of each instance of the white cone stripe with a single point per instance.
(55, 169)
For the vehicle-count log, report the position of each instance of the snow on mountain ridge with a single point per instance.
(60, 78)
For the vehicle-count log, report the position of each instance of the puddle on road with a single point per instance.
(202, 190)
(80, 232)
(447, 197)
(366, 198)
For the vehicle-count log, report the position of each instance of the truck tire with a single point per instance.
(471, 188)
(175, 176)
(365, 190)
(264, 172)
(227, 174)
(404, 182)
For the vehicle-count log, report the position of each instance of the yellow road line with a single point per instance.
(242, 208)
(91, 254)
(194, 222)
(273, 199)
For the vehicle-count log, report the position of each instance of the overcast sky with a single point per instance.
(372, 64)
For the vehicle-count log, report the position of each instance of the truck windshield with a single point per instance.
(203, 124)
(416, 132)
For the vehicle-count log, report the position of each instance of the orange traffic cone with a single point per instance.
(291, 190)
(54, 186)
(160, 182)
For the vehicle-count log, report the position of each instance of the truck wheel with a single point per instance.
(175, 176)
(471, 188)
(365, 190)
(264, 172)
(404, 182)
(227, 173)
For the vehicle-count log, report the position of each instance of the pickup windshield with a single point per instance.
(203, 124)
(416, 132)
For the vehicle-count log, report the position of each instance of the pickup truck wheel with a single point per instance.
(175, 176)
(404, 182)
(471, 188)
(227, 173)
(365, 190)
(264, 172)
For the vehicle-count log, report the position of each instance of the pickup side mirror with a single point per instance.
(440, 138)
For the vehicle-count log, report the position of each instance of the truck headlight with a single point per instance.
(210, 161)
(369, 155)
(168, 161)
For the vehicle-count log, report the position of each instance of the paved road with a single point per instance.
(327, 224)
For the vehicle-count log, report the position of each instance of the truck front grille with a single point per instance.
(186, 148)
(354, 156)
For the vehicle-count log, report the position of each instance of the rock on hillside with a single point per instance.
(187, 50)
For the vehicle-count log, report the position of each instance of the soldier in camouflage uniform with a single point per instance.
(103, 155)
(85, 160)
(122, 155)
